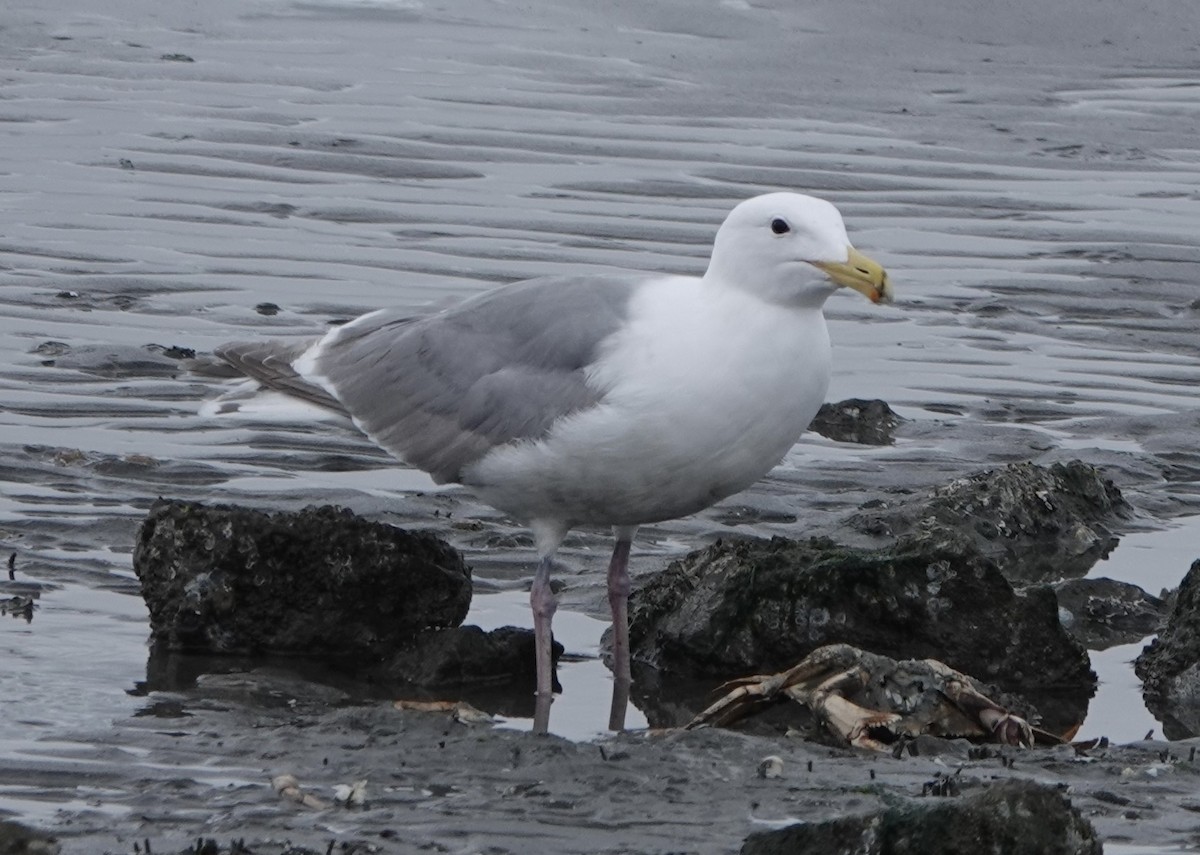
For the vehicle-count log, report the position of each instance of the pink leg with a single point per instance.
(544, 602)
(618, 601)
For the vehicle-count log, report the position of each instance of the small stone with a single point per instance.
(351, 795)
(857, 420)
(771, 767)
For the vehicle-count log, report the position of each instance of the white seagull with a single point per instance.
(613, 400)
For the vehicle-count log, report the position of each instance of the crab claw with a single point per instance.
(1007, 728)
(741, 696)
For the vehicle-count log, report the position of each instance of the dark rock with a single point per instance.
(52, 348)
(1102, 613)
(117, 361)
(467, 655)
(756, 606)
(1008, 818)
(17, 839)
(224, 579)
(1170, 665)
(1037, 523)
(857, 420)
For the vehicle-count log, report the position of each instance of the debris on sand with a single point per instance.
(875, 702)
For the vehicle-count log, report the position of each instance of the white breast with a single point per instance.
(706, 389)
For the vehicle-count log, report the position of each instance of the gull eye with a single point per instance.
(780, 226)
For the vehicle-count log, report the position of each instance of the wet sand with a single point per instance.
(179, 175)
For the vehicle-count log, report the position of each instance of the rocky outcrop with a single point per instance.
(224, 579)
(756, 606)
(1170, 665)
(1007, 818)
(1038, 524)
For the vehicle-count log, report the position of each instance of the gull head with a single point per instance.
(792, 249)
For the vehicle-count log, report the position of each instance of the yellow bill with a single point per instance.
(863, 274)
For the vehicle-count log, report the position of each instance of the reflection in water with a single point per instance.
(1154, 561)
(1118, 711)
(70, 667)
(583, 709)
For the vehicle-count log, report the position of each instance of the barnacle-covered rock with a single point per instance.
(226, 579)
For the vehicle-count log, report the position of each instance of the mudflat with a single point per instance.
(175, 176)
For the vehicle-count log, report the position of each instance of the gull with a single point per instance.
(599, 400)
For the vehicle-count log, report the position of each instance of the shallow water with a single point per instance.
(1116, 710)
(1152, 561)
(167, 168)
(581, 710)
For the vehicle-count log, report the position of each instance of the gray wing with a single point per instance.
(442, 391)
(270, 363)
